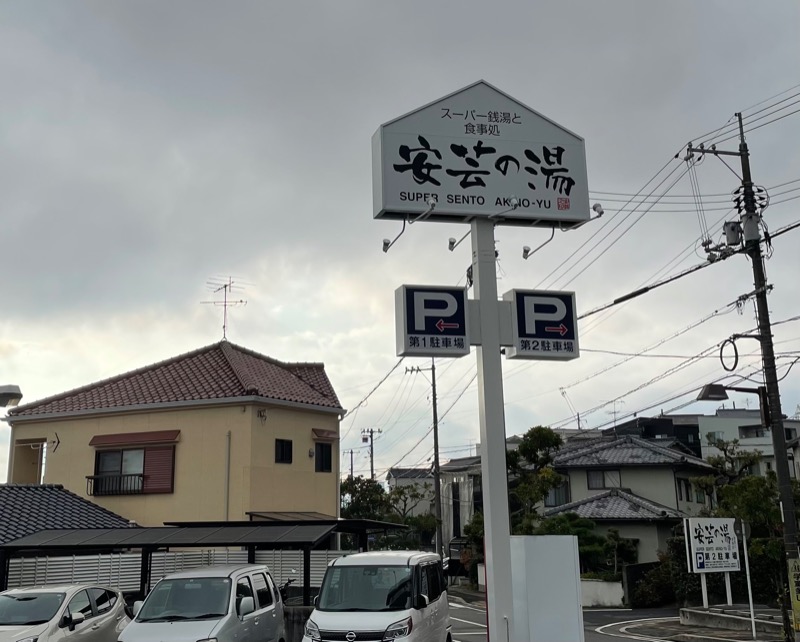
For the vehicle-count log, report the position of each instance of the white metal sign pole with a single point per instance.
(704, 589)
(497, 532)
(749, 586)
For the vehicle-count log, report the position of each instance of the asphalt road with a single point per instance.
(469, 622)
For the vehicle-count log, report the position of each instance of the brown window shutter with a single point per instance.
(159, 465)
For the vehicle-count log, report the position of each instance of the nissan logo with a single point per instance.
(350, 636)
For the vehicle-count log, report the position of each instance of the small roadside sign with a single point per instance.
(544, 325)
(431, 321)
(713, 543)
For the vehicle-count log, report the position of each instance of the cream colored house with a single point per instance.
(214, 434)
(635, 485)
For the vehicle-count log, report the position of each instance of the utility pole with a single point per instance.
(750, 226)
(368, 436)
(351, 462)
(437, 480)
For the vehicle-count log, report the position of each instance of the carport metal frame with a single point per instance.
(304, 535)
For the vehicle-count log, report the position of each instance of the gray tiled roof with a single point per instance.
(26, 509)
(616, 504)
(409, 473)
(461, 464)
(220, 371)
(625, 451)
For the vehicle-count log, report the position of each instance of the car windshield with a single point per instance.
(196, 598)
(366, 588)
(29, 608)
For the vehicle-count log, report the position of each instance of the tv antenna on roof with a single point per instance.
(227, 287)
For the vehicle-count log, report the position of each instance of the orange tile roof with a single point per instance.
(220, 371)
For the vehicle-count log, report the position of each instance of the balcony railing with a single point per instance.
(98, 485)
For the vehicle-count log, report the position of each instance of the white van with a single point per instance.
(382, 595)
(223, 603)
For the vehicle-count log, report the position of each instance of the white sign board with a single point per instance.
(544, 325)
(479, 152)
(432, 321)
(713, 545)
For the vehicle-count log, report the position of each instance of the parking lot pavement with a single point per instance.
(468, 621)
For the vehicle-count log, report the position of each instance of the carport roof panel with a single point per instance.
(161, 536)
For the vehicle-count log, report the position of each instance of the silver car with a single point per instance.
(76, 612)
(221, 603)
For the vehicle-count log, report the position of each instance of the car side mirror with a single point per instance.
(137, 606)
(246, 606)
(71, 621)
(420, 602)
(314, 600)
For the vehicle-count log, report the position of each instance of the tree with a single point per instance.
(730, 465)
(363, 498)
(619, 550)
(531, 476)
(590, 545)
(400, 503)
(403, 499)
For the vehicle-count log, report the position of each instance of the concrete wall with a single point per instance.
(256, 481)
(596, 593)
(652, 536)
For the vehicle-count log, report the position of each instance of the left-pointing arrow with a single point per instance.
(441, 325)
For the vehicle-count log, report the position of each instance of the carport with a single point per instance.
(304, 535)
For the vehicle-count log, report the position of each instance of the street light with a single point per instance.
(10, 396)
(718, 392)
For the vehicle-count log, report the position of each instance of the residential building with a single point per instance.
(462, 494)
(421, 479)
(213, 434)
(651, 483)
(26, 509)
(747, 427)
(682, 428)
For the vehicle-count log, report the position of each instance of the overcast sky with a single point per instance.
(148, 147)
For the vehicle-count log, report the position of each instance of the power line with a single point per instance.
(368, 395)
(608, 221)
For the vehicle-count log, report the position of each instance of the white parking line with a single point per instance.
(468, 622)
(453, 605)
(631, 636)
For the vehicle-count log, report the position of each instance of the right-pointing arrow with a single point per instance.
(561, 329)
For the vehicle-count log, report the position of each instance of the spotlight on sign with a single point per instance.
(598, 209)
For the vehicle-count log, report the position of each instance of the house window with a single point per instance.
(557, 496)
(323, 457)
(133, 463)
(133, 471)
(283, 451)
(699, 495)
(599, 479)
(119, 472)
(684, 490)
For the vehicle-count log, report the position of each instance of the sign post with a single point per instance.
(496, 524)
(479, 156)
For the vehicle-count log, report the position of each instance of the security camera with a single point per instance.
(451, 244)
(598, 209)
(386, 244)
(526, 251)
